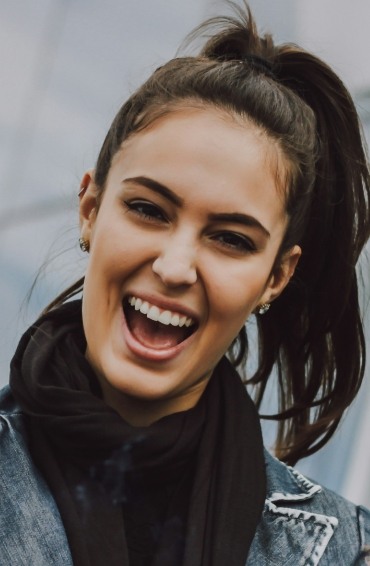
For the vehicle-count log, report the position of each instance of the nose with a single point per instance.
(175, 265)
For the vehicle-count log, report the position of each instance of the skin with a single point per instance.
(181, 254)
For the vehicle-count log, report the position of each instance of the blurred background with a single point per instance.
(65, 68)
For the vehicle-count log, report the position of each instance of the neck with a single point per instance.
(140, 412)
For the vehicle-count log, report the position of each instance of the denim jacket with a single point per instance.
(302, 524)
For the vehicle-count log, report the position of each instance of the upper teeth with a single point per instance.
(154, 313)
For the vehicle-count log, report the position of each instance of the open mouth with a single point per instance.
(156, 328)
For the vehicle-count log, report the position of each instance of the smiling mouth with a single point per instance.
(155, 328)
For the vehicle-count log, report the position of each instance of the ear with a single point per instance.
(281, 274)
(88, 204)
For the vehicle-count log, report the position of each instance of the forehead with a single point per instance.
(190, 116)
(207, 151)
(186, 108)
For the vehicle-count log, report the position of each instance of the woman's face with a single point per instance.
(182, 250)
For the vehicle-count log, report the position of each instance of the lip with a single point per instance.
(165, 304)
(151, 354)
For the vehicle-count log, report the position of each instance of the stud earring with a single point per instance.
(84, 244)
(263, 308)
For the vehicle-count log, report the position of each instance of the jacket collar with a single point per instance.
(291, 532)
(284, 484)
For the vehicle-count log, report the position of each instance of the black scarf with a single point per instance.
(88, 453)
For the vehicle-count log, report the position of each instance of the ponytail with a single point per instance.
(316, 324)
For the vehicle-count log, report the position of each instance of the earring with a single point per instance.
(82, 192)
(263, 308)
(84, 244)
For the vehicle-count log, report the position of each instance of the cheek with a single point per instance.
(114, 256)
(234, 293)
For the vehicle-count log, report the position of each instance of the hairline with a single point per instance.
(280, 164)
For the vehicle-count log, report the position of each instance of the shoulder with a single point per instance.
(304, 523)
(30, 524)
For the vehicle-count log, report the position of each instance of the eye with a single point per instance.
(146, 210)
(235, 242)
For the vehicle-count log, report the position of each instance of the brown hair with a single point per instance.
(313, 333)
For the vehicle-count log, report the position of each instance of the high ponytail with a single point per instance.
(316, 324)
(313, 333)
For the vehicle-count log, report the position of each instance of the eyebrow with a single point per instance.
(157, 188)
(233, 217)
(240, 218)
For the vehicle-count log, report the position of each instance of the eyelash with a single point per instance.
(230, 240)
(146, 210)
(239, 243)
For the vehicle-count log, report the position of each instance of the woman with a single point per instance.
(230, 184)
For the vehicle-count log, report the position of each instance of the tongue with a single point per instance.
(154, 334)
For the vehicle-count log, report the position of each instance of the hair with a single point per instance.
(313, 333)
